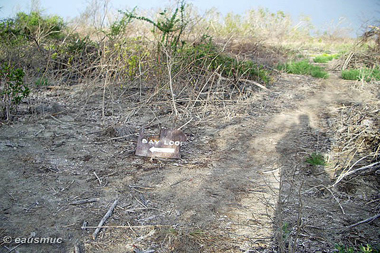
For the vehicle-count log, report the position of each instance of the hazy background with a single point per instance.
(324, 14)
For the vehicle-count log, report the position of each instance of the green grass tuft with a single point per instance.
(365, 74)
(304, 68)
(324, 58)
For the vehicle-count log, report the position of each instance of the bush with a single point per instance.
(37, 27)
(206, 55)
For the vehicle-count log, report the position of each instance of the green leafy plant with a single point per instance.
(368, 249)
(324, 58)
(362, 249)
(118, 28)
(11, 34)
(316, 159)
(12, 88)
(172, 231)
(303, 68)
(365, 74)
(343, 249)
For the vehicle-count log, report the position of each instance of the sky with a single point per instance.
(323, 13)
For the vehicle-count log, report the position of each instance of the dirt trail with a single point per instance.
(241, 185)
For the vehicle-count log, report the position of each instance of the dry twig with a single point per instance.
(84, 201)
(370, 219)
(100, 225)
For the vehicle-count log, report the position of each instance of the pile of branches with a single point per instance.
(370, 57)
(357, 151)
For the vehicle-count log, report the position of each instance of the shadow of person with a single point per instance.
(302, 203)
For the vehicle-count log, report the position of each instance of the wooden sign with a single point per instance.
(166, 145)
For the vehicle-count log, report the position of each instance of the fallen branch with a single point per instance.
(143, 226)
(254, 83)
(367, 167)
(364, 221)
(336, 199)
(244, 80)
(84, 201)
(140, 209)
(100, 225)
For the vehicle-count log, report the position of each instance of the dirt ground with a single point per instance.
(242, 184)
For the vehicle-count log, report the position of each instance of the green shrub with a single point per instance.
(38, 27)
(303, 68)
(12, 88)
(207, 55)
(11, 34)
(30, 27)
(365, 74)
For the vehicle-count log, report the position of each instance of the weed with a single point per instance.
(362, 249)
(171, 25)
(303, 68)
(285, 231)
(42, 81)
(368, 248)
(365, 74)
(173, 231)
(343, 249)
(316, 159)
(198, 233)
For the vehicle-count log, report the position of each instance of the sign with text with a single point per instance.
(166, 145)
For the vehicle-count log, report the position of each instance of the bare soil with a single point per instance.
(242, 184)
